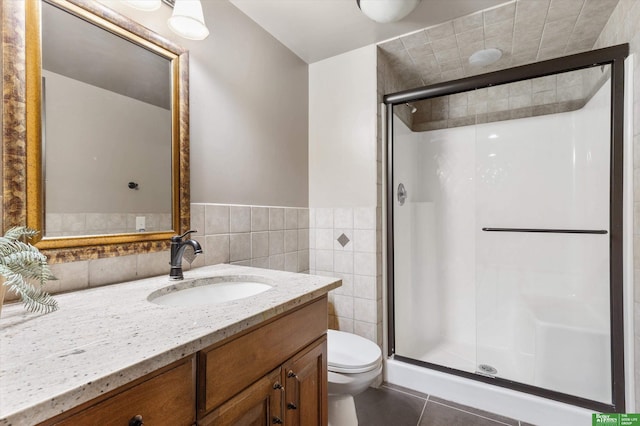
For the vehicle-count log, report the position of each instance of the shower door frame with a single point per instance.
(613, 56)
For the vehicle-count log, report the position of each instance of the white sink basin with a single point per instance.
(209, 291)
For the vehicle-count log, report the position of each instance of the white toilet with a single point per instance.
(353, 363)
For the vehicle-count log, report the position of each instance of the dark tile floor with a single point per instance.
(395, 406)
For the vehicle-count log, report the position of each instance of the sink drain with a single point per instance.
(486, 369)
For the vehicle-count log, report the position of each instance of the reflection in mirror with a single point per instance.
(95, 150)
(106, 131)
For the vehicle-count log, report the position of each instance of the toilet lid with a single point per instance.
(349, 353)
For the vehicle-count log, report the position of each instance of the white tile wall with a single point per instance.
(355, 307)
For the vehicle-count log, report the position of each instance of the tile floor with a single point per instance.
(395, 406)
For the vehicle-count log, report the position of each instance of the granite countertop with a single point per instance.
(105, 337)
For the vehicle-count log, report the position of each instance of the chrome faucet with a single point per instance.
(178, 245)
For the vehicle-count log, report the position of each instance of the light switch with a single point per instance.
(140, 223)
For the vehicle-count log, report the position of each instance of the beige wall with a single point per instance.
(342, 130)
(249, 139)
(248, 102)
(344, 215)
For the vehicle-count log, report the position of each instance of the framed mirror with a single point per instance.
(106, 144)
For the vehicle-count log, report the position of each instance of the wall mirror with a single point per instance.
(106, 153)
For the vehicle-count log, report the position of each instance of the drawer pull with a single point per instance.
(277, 421)
(292, 406)
(136, 421)
(278, 386)
(291, 374)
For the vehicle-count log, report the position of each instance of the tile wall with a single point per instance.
(73, 276)
(263, 237)
(540, 96)
(525, 31)
(346, 243)
(64, 224)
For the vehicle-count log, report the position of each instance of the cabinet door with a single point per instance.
(258, 405)
(226, 369)
(305, 377)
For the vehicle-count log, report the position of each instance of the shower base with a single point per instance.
(463, 357)
(510, 403)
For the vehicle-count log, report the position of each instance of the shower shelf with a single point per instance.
(549, 231)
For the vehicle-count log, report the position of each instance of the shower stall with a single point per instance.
(504, 228)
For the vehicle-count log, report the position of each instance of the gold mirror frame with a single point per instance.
(22, 148)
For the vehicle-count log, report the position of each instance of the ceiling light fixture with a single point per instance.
(484, 57)
(385, 11)
(187, 19)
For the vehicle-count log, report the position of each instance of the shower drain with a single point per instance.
(486, 369)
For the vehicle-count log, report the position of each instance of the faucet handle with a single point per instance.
(181, 237)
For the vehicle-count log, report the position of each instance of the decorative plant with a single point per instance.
(25, 270)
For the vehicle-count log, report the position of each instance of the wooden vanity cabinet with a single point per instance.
(164, 397)
(305, 382)
(259, 404)
(273, 374)
(267, 402)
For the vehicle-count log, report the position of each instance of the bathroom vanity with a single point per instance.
(110, 354)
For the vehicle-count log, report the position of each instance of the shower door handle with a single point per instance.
(548, 231)
(402, 194)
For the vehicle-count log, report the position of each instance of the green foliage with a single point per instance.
(25, 270)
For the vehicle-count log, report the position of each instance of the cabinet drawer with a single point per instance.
(258, 405)
(231, 366)
(164, 398)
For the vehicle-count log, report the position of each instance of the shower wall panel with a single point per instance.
(514, 301)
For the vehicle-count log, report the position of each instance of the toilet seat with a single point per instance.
(351, 354)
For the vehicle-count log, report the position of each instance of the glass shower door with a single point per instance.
(501, 232)
(542, 236)
(434, 291)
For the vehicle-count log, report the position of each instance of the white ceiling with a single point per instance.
(319, 29)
